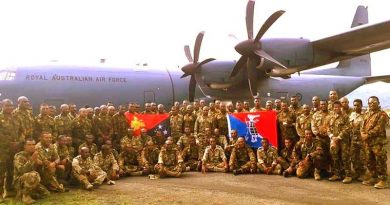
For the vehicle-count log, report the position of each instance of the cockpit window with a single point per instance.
(7, 75)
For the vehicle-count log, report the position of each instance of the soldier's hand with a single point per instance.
(34, 158)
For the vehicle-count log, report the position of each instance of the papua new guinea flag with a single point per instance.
(255, 126)
(152, 122)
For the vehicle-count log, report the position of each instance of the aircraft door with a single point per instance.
(149, 96)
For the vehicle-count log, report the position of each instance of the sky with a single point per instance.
(155, 31)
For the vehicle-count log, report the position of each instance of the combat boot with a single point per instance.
(286, 173)
(347, 180)
(334, 178)
(317, 174)
(370, 182)
(382, 184)
(26, 199)
(237, 172)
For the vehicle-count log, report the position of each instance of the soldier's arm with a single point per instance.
(260, 157)
(346, 129)
(296, 154)
(314, 127)
(179, 157)
(121, 161)
(232, 159)
(225, 143)
(205, 154)
(380, 126)
(23, 165)
(160, 158)
(252, 156)
(114, 163)
(298, 128)
(196, 127)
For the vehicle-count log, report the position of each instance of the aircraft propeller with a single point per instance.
(191, 68)
(251, 49)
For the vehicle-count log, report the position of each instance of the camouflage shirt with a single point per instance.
(216, 155)
(9, 132)
(170, 157)
(63, 124)
(129, 158)
(44, 124)
(23, 164)
(106, 162)
(339, 126)
(176, 123)
(203, 122)
(92, 149)
(26, 122)
(189, 121)
(374, 124)
(150, 156)
(267, 157)
(240, 156)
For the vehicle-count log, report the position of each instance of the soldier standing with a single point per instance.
(303, 122)
(44, 123)
(242, 159)
(315, 105)
(257, 106)
(319, 124)
(189, 118)
(221, 120)
(286, 122)
(80, 128)
(373, 132)
(294, 107)
(204, 121)
(25, 118)
(63, 122)
(176, 124)
(357, 152)
(120, 126)
(333, 96)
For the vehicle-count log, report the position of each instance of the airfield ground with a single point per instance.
(197, 188)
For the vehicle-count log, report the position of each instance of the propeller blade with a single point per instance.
(233, 37)
(204, 62)
(265, 55)
(268, 23)
(250, 7)
(184, 75)
(239, 65)
(252, 76)
(191, 88)
(188, 53)
(198, 43)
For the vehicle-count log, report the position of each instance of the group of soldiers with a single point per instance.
(49, 152)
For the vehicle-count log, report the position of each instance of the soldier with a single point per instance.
(154, 107)
(294, 107)
(52, 111)
(286, 155)
(44, 123)
(161, 109)
(339, 134)
(319, 124)
(183, 108)
(204, 121)
(111, 112)
(144, 137)
(333, 96)
(65, 159)
(345, 106)
(242, 159)
(149, 157)
(357, 152)
(278, 105)
(27, 180)
(184, 139)
(239, 107)
(217, 105)
(315, 105)
(246, 107)
(130, 163)
(232, 142)
(196, 106)
(373, 133)
(69, 144)
(189, 118)
(221, 120)
(176, 124)
(214, 159)
(191, 156)
(127, 139)
(267, 159)
(230, 108)
(86, 171)
(9, 144)
(307, 158)
(107, 162)
(120, 126)
(72, 110)
(159, 139)
(102, 126)
(92, 147)
(221, 139)
(148, 109)
(212, 112)
(90, 113)
(268, 105)
(48, 162)
(203, 139)
(170, 162)
(80, 128)
(63, 122)
(286, 122)
(303, 122)
(257, 106)
(24, 117)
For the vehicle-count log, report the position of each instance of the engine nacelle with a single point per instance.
(281, 72)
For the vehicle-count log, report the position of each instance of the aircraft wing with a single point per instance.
(356, 42)
(373, 79)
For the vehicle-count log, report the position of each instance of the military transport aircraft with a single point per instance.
(267, 64)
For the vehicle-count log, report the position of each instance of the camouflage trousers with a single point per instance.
(64, 174)
(357, 157)
(376, 160)
(49, 179)
(193, 164)
(283, 163)
(339, 150)
(247, 167)
(132, 170)
(151, 169)
(169, 171)
(263, 170)
(6, 171)
(96, 176)
(215, 167)
(29, 184)
(325, 144)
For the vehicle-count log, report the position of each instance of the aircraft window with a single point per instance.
(7, 75)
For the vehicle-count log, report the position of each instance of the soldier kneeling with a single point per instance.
(170, 162)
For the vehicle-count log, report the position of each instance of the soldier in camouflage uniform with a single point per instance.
(286, 122)
(267, 159)
(319, 125)
(26, 178)
(307, 158)
(339, 133)
(130, 162)
(85, 171)
(48, 162)
(294, 107)
(63, 122)
(148, 109)
(315, 105)
(345, 106)
(9, 144)
(44, 123)
(230, 108)
(242, 159)
(214, 159)
(357, 149)
(373, 132)
(149, 157)
(257, 107)
(203, 139)
(191, 155)
(184, 139)
(221, 139)
(107, 162)
(333, 96)
(127, 139)
(286, 155)
(303, 122)
(25, 118)
(204, 121)
(176, 124)
(81, 126)
(268, 105)
(239, 107)
(189, 118)
(212, 112)
(278, 105)
(170, 162)
(120, 126)
(221, 120)
(92, 147)
(64, 159)
(159, 139)
(73, 110)
(232, 142)
(102, 126)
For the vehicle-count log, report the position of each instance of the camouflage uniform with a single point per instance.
(268, 159)
(203, 122)
(130, 163)
(150, 158)
(303, 122)
(189, 120)
(243, 159)
(48, 175)
(286, 122)
(120, 126)
(184, 140)
(64, 155)
(44, 123)
(191, 156)
(308, 158)
(297, 110)
(221, 141)
(26, 179)
(63, 125)
(93, 173)
(26, 121)
(80, 128)
(176, 125)
(102, 126)
(108, 163)
(222, 123)
(339, 132)
(374, 124)
(93, 149)
(357, 152)
(213, 159)
(169, 162)
(319, 124)
(286, 157)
